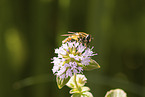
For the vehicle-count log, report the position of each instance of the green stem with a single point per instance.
(75, 80)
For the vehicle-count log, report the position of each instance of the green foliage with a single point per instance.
(116, 93)
(93, 65)
(76, 83)
(80, 79)
(61, 82)
(87, 94)
(76, 95)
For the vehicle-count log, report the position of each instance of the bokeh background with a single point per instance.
(30, 31)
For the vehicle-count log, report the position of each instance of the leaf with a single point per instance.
(93, 65)
(76, 95)
(85, 89)
(74, 91)
(116, 93)
(87, 94)
(61, 82)
(81, 80)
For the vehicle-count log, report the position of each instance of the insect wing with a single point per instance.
(71, 32)
(66, 35)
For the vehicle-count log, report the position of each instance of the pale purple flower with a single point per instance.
(88, 52)
(69, 72)
(80, 69)
(76, 44)
(62, 76)
(56, 60)
(77, 57)
(55, 68)
(71, 44)
(73, 65)
(61, 71)
(72, 56)
(81, 48)
(85, 61)
(65, 46)
(75, 71)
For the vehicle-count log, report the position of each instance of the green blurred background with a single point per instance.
(30, 31)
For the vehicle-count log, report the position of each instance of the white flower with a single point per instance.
(72, 56)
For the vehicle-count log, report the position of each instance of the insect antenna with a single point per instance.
(66, 35)
(71, 32)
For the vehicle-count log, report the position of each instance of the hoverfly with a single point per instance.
(82, 37)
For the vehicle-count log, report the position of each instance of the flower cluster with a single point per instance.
(72, 57)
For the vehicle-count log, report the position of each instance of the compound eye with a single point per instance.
(72, 40)
(88, 38)
(84, 39)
